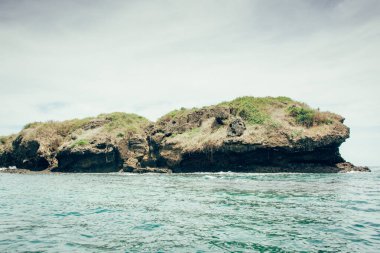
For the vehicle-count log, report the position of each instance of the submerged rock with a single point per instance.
(247, 135)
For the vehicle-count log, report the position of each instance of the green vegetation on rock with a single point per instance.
(256, 110)
(54, 128)
(192, 132)
(119, 140)
(308, 117)
(271, 113)
(178, 113)
(112, 124)
(107, 127)
(79, 143)
(32, 125)
(303, 116)
(6, 142)
(123, 123)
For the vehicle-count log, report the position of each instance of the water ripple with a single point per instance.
(200, 212)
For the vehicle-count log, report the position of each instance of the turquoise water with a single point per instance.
(190, 213)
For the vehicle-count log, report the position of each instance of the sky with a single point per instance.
(71, 59)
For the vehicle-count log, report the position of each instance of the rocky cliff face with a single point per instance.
(250, 135)
(247, 135)
(107, 143)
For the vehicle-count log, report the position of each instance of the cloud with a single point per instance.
(51, 107)
(66, 59)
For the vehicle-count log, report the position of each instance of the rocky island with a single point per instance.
(248, 134)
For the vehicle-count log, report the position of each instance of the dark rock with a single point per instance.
(236, 128)
(28, 155)
(152, 170)
(347, 167)
(89, 160)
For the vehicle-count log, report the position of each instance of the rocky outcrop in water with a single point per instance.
(245, 135)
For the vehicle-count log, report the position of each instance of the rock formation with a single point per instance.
(246, 135)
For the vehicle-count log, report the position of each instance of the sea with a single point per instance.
(199, 212)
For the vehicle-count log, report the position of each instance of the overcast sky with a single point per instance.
(67, 59)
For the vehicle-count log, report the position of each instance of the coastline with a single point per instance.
(168, 172)
(25, 171)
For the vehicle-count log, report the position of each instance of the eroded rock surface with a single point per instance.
(106, 143)
(236, 128)
(246, 135)
(251, 135)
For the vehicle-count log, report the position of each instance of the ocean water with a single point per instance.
(223, 212)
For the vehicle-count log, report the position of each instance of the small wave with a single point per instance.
(9, 168)
(67, 214)
(244, 173)
(208, 172)
(108, 173)
(353, 172)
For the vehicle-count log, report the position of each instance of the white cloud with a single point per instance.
(150, 57)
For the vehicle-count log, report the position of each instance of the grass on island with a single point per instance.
(177, 113)
(256, 110)
(61, 128)
(308, 117)
(270, 112)
(121, 124)
(264, 111)
(6, 142)
(253, 110)
(80, 143)
(80, 132)
(117, 123)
